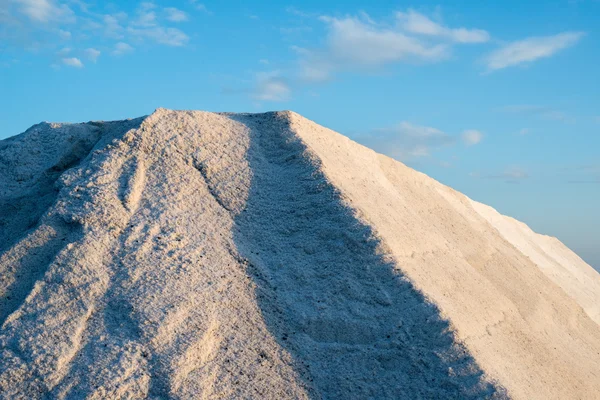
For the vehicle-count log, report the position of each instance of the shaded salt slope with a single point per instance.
(205, 256)
(521, 327)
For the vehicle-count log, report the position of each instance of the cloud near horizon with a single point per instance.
(510, 175)
(407, 141)
(270, 86)
(544, 112)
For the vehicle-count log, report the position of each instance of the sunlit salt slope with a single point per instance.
(201, 255)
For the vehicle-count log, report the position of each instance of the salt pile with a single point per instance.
(202, 255)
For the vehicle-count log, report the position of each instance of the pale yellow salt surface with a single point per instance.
(203, 255)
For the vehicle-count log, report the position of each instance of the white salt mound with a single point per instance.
(196, 255)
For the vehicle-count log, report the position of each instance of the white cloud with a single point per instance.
(270, 86)
(407, 141)
(122, 48)
(92, 54)
(28, 23)
(112, 26)
(316, 70)
(313, 68)
(199, 6)
(64, 34)
(73, 62)
(359, 42)
(363, 43)
(175, 15)
(146, 26)
(414, 22)
(530, 49)
(471, 137)
(45, 11)
(146, 18)
(147, 5)
(63, 52)
(161, 35)
(419, 131)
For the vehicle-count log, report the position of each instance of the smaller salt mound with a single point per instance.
(555, 260)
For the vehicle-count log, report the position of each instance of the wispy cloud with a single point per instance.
(44, 11)
(415, 22)
(407, 141)
(584, 174)
(352, 42)
(92, 54)
(63, 52)
(471, 137)
(530, 49)
(270, 86)
(65, 35)
(359, 42)
(200, 6)
(112, 25)
(147, 27)
(363, 43)
(72, 62)
(161, 35)
(86, 26)
(122, 48)
(176, 15)
(145, 18)
(543, 112)
(510, 175)
(299, 13)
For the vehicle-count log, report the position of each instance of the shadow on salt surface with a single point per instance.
(354, 325)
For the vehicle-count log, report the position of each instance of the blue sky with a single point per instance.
(502, 103)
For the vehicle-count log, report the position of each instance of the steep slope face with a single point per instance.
(202, 255)
(197, 255)
(525, 330)
(555, 260)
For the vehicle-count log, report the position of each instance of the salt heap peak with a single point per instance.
(193, 254)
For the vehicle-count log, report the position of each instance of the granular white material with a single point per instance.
(202, 255)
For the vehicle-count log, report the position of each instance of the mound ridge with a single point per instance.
(191, 254)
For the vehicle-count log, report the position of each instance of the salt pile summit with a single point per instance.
(193, 254)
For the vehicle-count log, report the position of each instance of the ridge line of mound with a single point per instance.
(474, 275)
